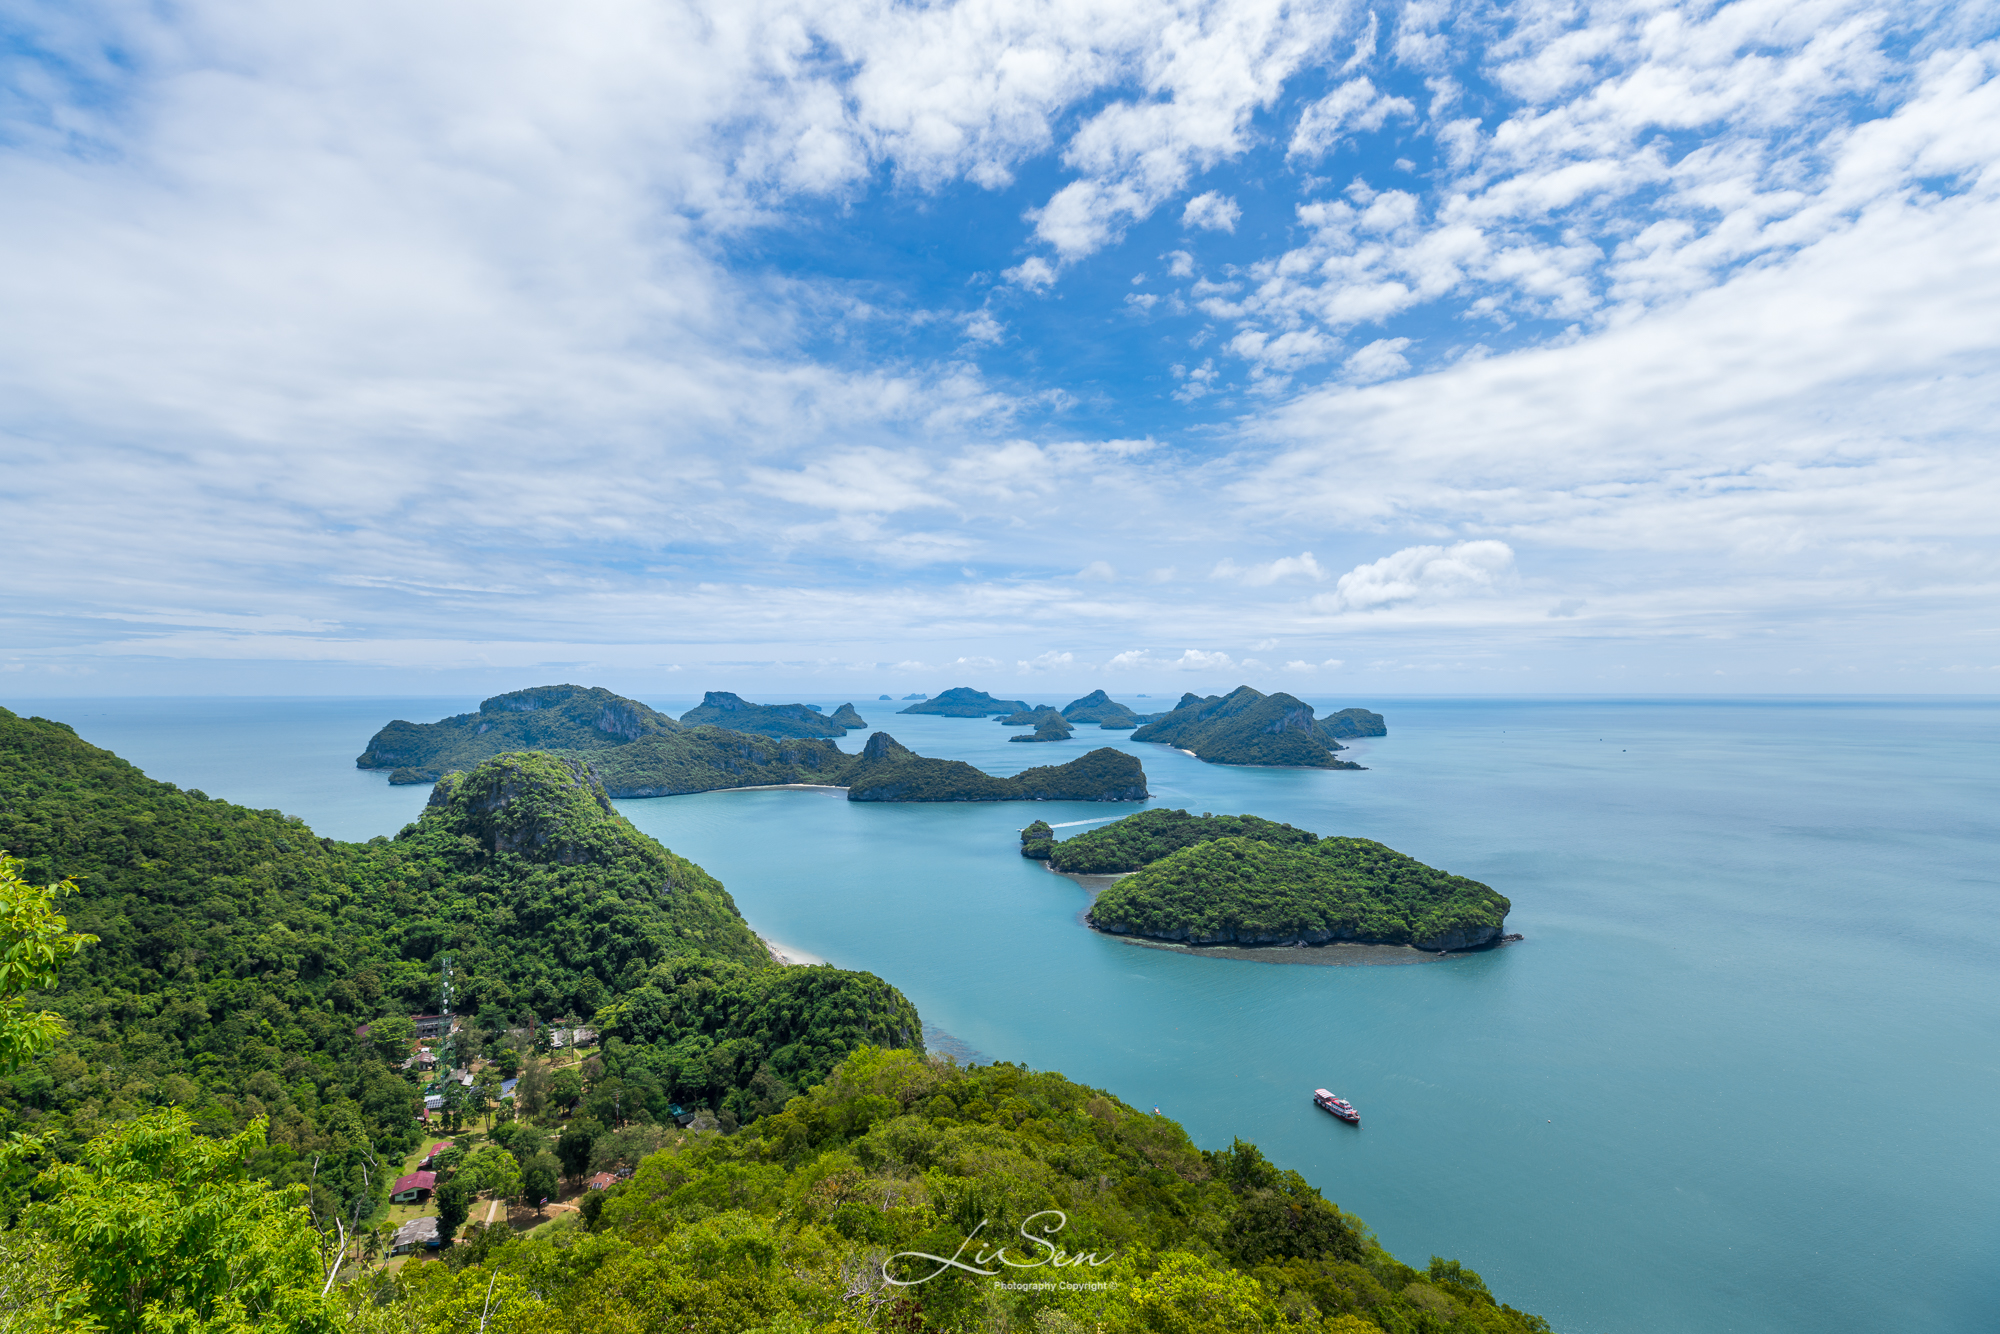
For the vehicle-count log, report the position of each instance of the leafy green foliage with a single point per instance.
(1046, 730)
(35, 942)
(1246, 727)
(720, 708)
(454, 1202)
(1248, 891)
(965, 702)
(788, 1224)
(158, 1227)
(1140, 839)
(704, 1032)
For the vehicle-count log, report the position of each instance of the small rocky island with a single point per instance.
(1241, 880)
(1247, 726)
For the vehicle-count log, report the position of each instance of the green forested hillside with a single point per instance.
(702, 759)
(789, 1225)
(238, 952)
(1247, 891)
(1136, 840)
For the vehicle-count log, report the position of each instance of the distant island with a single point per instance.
(1034, 717)
(1098, 707)
(1271, 884)
(965, 702)
(1247, 726)
(1048, 724)
(636, 751)
(890, 771)
(720, 708)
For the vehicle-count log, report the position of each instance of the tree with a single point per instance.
(565, 1087)
(485, 1091)
(454, 1202)
(391, 1038)
(157, 1227)
(539, 1179)
(456, 1099)
(531, 1095)
(574, 1146)
(35, 942)
(493, 1171)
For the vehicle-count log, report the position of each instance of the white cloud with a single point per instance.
(1353, 107)
(1180, 264)
(1425, 573)
(1378, 361)
(981, 327)
(1212, 211)
(1098, 571)
(1192, 660)
(1301, 566)
(1048, 662)
(1033, 272)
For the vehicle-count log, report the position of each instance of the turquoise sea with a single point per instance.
(1743, 1073)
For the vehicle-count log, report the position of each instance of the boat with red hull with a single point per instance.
(1340, 1107)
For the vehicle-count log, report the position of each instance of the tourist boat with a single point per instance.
(1340, 1107)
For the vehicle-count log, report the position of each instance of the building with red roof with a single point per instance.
(415, 1186)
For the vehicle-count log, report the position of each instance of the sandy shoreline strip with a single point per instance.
(790, 955)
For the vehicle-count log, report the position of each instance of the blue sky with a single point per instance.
(1346, 349)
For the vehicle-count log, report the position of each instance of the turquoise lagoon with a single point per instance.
(1741, 1075)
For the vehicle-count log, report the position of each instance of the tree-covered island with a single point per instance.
(965, 702)
(1242, 880)
(1098, 707)
(720, 708)
(1247, 726)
